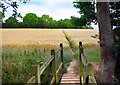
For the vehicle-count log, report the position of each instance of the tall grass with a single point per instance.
(17, 63)
(92, 54)
(67, 57)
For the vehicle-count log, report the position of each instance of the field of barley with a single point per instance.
(47, 38)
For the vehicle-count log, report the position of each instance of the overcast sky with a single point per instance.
(57, 9)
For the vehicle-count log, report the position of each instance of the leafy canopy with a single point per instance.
(11, 22)
(89, 15)
(30, 20)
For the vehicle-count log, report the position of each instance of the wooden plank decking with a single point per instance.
(72, 75)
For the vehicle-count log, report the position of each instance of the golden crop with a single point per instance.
(47, 38)
(83, 35)
(43, 38)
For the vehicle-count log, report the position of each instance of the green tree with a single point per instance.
(107, 59)
(30, 20)
(78, 22)
(86, 27)
(5, 4)
(11, 22)
(117, 52)
(64, 23)
(115, 13)
(68, 23)
(55, 23)
(107, 16)
(61, 24)
(1, 18)
(89, 14)
(46, 21)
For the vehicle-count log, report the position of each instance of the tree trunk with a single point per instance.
(107, 61)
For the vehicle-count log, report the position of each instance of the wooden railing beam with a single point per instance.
(38, 75)
(53, 64)
(61, 52)
(46, 68)
(86, 69)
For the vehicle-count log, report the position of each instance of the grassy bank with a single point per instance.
(17, 63)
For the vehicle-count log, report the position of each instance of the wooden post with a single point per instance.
(38, 75)
(61, 52)
(81, 65)
(80, 46)
(53, 64)
(47, 72)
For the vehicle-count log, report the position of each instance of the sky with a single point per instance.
(57, 9)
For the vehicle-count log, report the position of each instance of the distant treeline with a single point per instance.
(31, 20)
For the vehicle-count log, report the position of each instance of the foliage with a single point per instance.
(66, 23)
(17, 64)
(45, 21)
(115, 13)
(117, 41)
(86, 27)
(67, 58)
(92, 54)
(79, 23)
(6, 4)
(11, 22)
(1, 17)
(117, 51)
(87, 12)
(30, 20)
(89, 15)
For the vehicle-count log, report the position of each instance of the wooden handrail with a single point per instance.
(46, 68)
(31, 81)
(86, 68)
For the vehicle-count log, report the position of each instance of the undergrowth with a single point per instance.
(91, 54)
(17, 63)
(67, 57)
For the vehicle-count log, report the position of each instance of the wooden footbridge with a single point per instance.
(59, 76)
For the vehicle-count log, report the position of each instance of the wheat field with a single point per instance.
(47, 38)
(84, 35)
(43, 38)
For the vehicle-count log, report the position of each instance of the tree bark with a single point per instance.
(107, 61)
